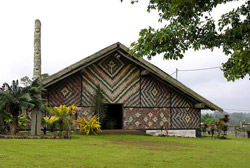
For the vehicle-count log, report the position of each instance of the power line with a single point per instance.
(201, 69)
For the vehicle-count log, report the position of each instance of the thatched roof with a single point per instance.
(121, 49)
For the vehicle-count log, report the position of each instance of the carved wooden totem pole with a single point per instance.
(36, 115)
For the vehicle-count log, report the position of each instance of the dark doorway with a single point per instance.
(113, 119)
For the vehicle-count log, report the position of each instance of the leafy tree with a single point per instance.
(190, 25)
(208, 118)
(13, 100)
(26, 80)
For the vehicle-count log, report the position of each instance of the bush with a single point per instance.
(91, 126)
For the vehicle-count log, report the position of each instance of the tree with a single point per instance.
(64, 117)
(190, 25)
(13, 100)
(208, 118)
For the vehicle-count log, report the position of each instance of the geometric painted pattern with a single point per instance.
(86, 112)
(145, 118)
(178, 100)
(66, 92)
(149, 98)
(118, 80)
(181, 118)
(154, 93)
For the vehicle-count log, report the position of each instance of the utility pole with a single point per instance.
(176, 73)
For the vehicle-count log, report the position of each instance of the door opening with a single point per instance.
(113, 119)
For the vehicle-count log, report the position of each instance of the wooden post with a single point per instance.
(36, 115)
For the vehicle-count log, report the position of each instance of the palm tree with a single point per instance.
(35, 90)
(14, 100)
(64, 116)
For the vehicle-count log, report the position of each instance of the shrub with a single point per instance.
(91, 126)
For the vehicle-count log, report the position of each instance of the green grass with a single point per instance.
(124, 151)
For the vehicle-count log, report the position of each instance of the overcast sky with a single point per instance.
(75, 29)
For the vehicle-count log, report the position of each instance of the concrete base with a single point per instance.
(180, 133)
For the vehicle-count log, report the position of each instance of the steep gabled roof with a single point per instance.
(121, 49)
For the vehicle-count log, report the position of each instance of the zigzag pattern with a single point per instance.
(179, 100)
(181, 118)
(66, 92)
(85, 112)
(119, 82)
(145, 118)
(154, 93)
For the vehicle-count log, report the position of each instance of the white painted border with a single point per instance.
(180, 133)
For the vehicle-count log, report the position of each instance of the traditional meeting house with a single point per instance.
(138, 95)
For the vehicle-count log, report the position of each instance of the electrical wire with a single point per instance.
(201, 69)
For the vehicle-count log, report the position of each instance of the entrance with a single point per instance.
(113, 119)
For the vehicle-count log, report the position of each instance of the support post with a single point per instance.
(176, 73)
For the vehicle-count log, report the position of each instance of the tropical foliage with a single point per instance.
(64, 117)
(91, 126)
(189, 24)
(48, 122)
(208, 118)
(99, 106)
(15, 100)
(221, 126)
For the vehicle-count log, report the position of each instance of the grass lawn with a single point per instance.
(125, 151)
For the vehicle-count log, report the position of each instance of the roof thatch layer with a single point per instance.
(121, 49)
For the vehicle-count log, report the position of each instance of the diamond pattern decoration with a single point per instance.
(145, 119)
(67, 91)
(120, 82)
(187, 118)
(138, 115)
(150, 115)
(130, 119)
(149, 118)
(155, 119)
(64, 91)
(111, 66)
(180, 118)
(85, 113)
(162, 115)
(187, 106)
(150, 124)
(154, 93)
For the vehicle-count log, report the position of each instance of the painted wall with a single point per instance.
(147, 102)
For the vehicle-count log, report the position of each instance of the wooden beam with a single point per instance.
(199, 105)
(144, 72)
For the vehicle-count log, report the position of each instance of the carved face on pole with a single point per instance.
(37, 26)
